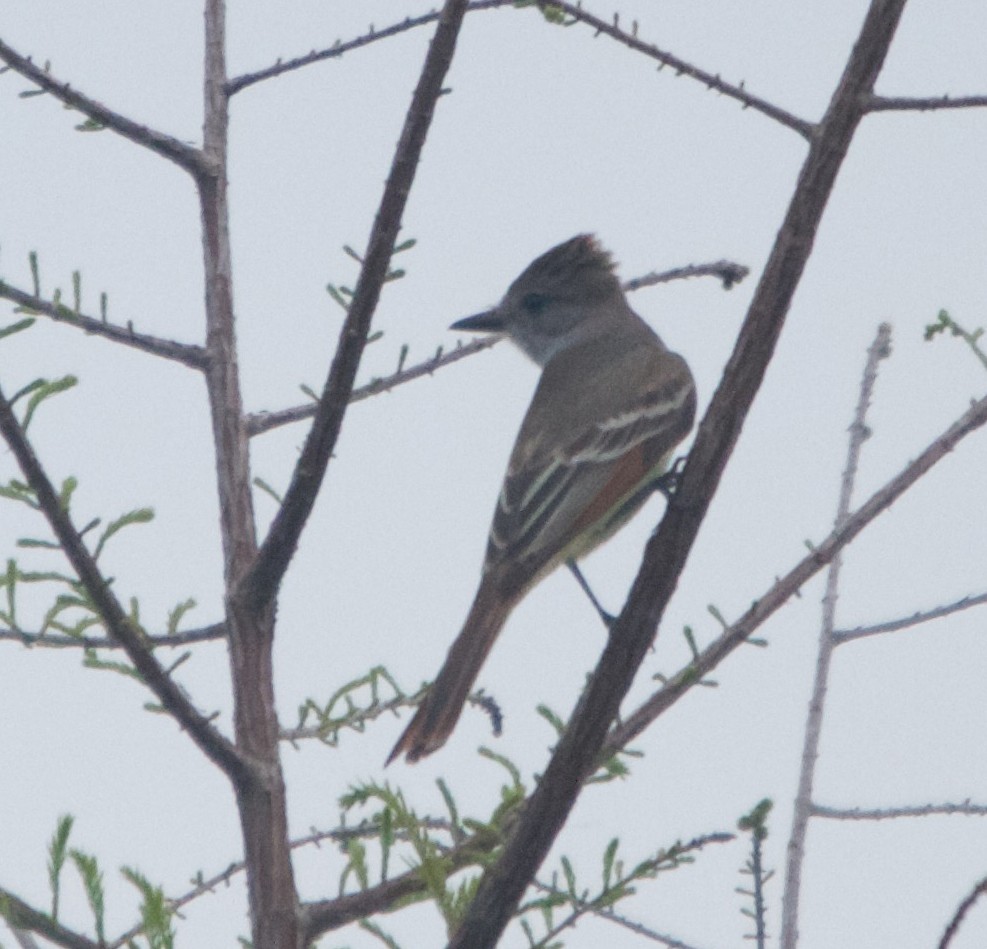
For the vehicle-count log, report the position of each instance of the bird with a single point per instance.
(611, 405)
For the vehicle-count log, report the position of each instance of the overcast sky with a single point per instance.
(547, 132)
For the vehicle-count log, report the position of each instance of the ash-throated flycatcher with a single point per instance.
(611, 405)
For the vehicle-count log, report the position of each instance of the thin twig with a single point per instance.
(339, 48)
(263, 579)
(670, 942)
(161, 641)
(893, 626)
(212, 743)
(877, 103)
(682, 68)
(727, 271)
(260, 422)
(859, 433)
(954, 924)
(965, 809)
(193, 356)
(181, 153)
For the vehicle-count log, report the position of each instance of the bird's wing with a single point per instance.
(557, 489)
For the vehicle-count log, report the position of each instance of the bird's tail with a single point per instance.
(443, 703)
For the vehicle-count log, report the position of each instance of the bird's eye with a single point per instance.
(534, 303)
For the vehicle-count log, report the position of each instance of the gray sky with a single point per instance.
(547, 132)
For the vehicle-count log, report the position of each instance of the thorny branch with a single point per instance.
(916, 619)
(182, 154)
(188, 355)
(576, 14)
(859, 433)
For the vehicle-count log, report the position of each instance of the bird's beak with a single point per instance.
(489, 321)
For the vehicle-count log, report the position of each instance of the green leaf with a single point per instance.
(12, 328)
(92, 881)
(57, 852)
(155, 910)
(178, 613)
(261, 484)
(65, 495)
(608, 858)
(570, 878)
(45, 391)
(140, 516)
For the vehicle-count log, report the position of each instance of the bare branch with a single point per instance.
(20, 915)
(62, 641)
(727, 271)
(892, 626)
(574, 11)
(181, 153)
(682, 68)
(646, 931)
(965, 809)
(791, 582)
(859, 433)
(954, 924)
(193, 356)
(876, 103)
(212, 743)
(578, 749)
(260, 422)
(339, 48)
(261, 584)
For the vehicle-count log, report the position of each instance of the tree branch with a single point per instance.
(682, 68)
(954, 924)
(875, 103)
(62, 641)
(182, 154)
(791, 582)
(265, 576)
(859, 433)
(504, 882)
(188, 355)
(578, 14)
(260, 422)
(727, 271)
(20, 915)
(339, 48)
(323, 915)
(212, 743)
(966, 809)
(892, 626)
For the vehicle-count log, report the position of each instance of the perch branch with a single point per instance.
(503, 884)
